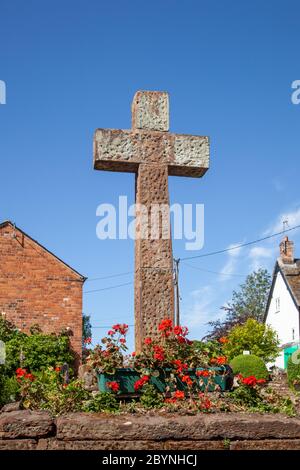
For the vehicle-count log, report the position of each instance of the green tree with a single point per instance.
(86, 328)
(247, 302)
(258, 338)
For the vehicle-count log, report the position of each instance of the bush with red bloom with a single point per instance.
(202, 373)
(204, 402)
(180, 365)
(110, 357)
(158, 353)
(179, 395)
(166, 326)
(141, 382)
(171, 400)
(87, 340)
(114, 386)
(221, 360)
(251, 381)
(177, 330)
(148, 341)
(57, 369)
(23, 374)
(187, 380)
(223, 340)
(120, 328)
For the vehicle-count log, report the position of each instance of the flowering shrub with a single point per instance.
(172, 357)
(251, 396)
(109, 357)
(46, 390)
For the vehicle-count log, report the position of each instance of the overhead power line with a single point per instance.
(241, 245)
(213, 272)
(108, 288)
(104, 327)
(108, 277)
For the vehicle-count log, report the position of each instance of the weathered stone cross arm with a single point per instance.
(150, 142)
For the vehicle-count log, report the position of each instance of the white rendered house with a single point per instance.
(283, 306)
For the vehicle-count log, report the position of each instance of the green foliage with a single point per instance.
(9, 388)
(48, 392)
(34, 351)
(264, 401)
(103, 401)
(249, 397)
(248, 302)
(210, 348)
(258, 338)
(86, 328)
(247, 365)
(151, 398)
(7, 330)
(293, 370)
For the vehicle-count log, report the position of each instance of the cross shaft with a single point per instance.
(152, 153)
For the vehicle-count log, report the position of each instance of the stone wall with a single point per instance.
(27, 430)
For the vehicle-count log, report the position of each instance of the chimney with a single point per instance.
(287, 251)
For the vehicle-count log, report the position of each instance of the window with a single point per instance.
(293, 334)
(277, 304)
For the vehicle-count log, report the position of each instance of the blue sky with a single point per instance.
(71, 67)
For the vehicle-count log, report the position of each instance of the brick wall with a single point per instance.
(36, 287)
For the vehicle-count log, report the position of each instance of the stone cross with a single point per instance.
(152, 153)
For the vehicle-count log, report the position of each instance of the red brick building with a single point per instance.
(36, 287)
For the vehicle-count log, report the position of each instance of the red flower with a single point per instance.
(159, 353)
(180, 366)
(181, 339)
(205, 403)
(141, 382)
(179, 394)
(111, 332)
(177, 330)
(114, 386)
(223, 340)
(87, 340)
(213, 360)
(133, 354)
(21, 372)
(165, 325)
(123, 340)
(30, 377)
(221, 360)
(170, 400)
(148, 341)
(121, 328)
(250, 381)
(203, 373)
(187, 379)
(57, 369)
